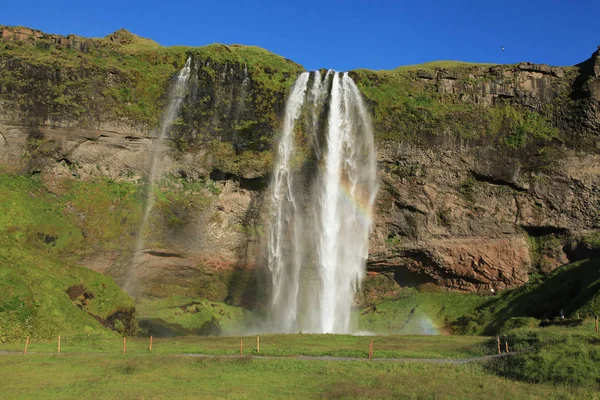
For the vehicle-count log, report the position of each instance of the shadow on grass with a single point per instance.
(574, 288)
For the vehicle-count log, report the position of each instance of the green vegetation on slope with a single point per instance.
(413, 312)
(433, 65)
(177, 315)
(80, 218)
(41, 236)
(573, 288)
(34, 300)
(557, 355)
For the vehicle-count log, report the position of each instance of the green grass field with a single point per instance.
(553, 363)
(164, 376)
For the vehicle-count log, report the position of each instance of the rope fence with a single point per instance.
(272, 345)
(223, 346)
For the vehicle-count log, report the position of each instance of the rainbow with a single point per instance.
(358, 198)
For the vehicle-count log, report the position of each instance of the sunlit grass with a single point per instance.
(158, 377)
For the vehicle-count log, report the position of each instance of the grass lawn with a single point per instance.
(276, 345)
(164, 376)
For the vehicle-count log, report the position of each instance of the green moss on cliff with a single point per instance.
(516, 127)
(34, 300)
(238, 93)
(80, 218)
(408, 107)
(248, 163)
(93, 80)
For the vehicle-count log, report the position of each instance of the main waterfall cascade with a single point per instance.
(176, 95)
(322, 192)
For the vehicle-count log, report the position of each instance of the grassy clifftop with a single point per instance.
(485, 104)
(239, 89)
(89, 81)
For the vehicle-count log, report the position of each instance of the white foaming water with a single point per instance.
(316, 99)
(318, 242)
(176, 95)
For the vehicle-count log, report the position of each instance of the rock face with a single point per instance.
(470, 264)
(531, 84)
(590, 92)
(468, 201)
(466, 219)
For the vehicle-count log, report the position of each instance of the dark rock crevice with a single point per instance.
(410, 208)
(538, 231)
(163, 254)
(492, 180)
(3, 138)
(257, 184)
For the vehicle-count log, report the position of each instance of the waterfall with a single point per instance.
(321, 216)
(285, 236)
(246, 80)
(175, 98)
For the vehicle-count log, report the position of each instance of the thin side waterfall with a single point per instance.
(176, 95)
(318, 242)
(246, 80)
(243, 92)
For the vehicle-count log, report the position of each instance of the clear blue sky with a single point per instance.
(376, 34)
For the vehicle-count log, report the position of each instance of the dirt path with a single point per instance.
(309, 358)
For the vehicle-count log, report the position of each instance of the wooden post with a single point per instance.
(26, 345)
(150, 343)
(498, 340)
(258, 344)
(241, 347)
(506, 345)
(596, 324)
(124, 345)
(370, 349)
(58, 344)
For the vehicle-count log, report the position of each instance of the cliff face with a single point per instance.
(482, 209)
(487, 173)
